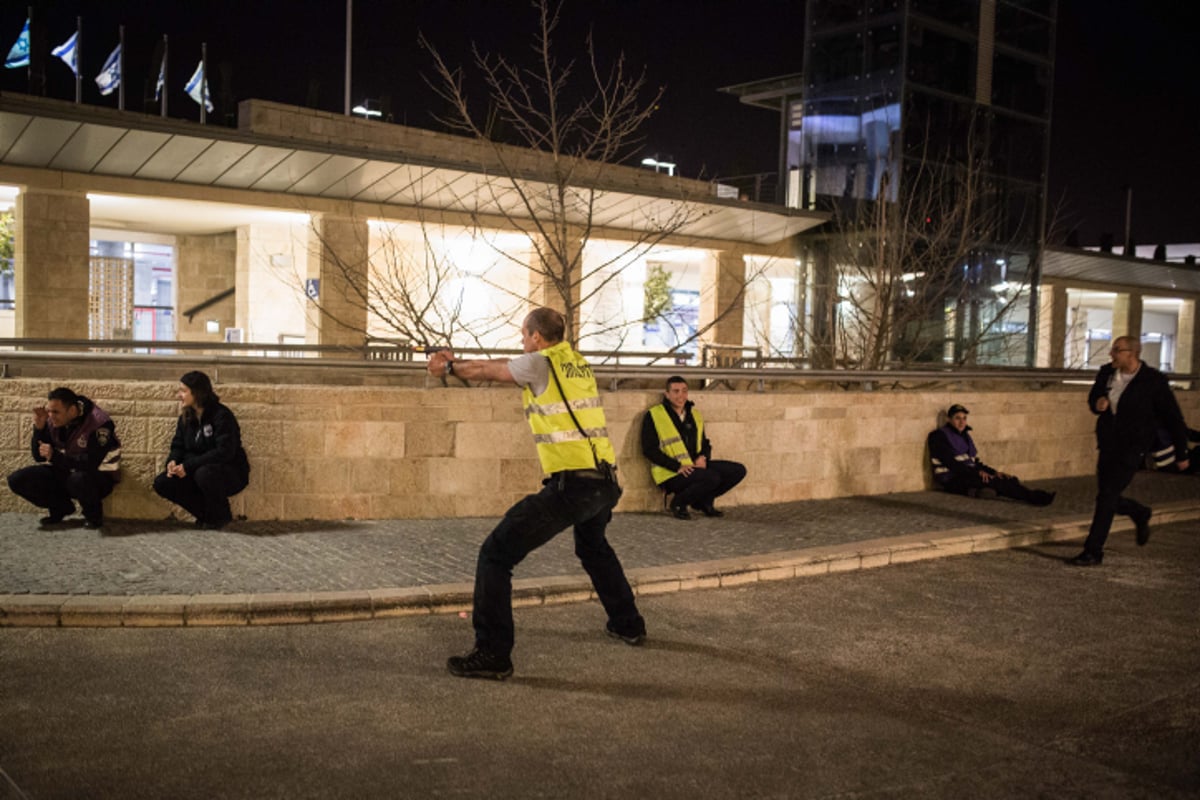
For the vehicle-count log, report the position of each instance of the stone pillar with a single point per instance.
(340, 261)
(1052, 326)
(1127, 315)
(1187, 344)
(546, 263)
(51, 269)
(723, 298)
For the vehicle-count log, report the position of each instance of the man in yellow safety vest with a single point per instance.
(680, 454)
(562, 404)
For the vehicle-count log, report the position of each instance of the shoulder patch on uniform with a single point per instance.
(102, 436)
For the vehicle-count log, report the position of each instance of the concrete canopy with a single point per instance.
(120, 150)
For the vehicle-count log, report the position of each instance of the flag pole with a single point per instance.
(349, 16)
(121, 69)
(203, 82)
(163, 100)
(78, 60)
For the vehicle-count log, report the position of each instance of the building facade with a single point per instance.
(309, 227)
(915, 122)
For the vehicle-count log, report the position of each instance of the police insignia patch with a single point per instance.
(81, 441)
(102, 436)
(207, 431)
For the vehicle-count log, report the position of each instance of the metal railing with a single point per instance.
(262, 363)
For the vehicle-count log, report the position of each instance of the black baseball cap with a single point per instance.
(956, 409)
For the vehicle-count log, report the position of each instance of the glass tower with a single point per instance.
(901, 99)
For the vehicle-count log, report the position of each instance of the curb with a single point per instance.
(208, 610)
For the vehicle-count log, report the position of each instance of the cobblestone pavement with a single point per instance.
(170, 558)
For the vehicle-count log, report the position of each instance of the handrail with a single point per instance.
(366, 352)
(614, 373)
(212, 301)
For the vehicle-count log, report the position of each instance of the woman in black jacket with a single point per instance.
(207, 464)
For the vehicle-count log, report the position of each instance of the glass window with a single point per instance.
(1043, 7)
(827, 13)
(153, 300)
(938, 129)
(835, 58)
(1020, 85)
(883, 49)
(959, 13)
(1026, 31)
(941, 62)
(1018, 147)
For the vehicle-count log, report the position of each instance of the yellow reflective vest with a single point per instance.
(669, 441)
(560, 445)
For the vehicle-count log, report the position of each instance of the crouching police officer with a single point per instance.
(79, 455)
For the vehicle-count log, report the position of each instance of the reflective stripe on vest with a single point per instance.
(938, 468)
(669, 441)
(560, 445)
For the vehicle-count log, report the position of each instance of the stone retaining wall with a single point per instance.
(334, 452)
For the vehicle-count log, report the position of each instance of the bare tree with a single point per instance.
(408, 284)
(581, 122)
(934, 269)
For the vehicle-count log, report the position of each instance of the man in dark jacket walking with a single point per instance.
(1131, 399)
(79, 455)
(958, 469)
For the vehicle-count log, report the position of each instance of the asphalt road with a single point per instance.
(1000, 675)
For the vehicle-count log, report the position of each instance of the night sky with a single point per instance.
(1126, 97)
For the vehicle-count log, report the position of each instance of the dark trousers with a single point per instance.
(1008, 487)
(1114, 473)
(52, 490)
(583, 502)
(204, 493)
(703, 486)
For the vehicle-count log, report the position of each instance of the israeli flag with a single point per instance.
(162, 77)
(194, 89)
(110, 75)
(67, 52)
(18, 56)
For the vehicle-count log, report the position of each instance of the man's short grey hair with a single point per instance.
(1132, 342)
(548, 322)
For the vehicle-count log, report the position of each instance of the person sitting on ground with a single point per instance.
(79, 455)
(680, 454)
(958, 469)
(207, 464)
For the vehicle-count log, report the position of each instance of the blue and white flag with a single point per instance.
(196, 84)
(68, 53)
(18, 56)
(110, 75)
(162, 78)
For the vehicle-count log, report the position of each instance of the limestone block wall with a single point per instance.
(205, 266)
(333, 452)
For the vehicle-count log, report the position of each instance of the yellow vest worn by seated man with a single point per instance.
(669, 441)
(560, 445)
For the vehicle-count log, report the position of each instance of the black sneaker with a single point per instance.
(712, 511)
(480, 664)
(1086, 559)
(633, 641)
(56, 517)
(93, 523)
(1142, 521)
(680, 512)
